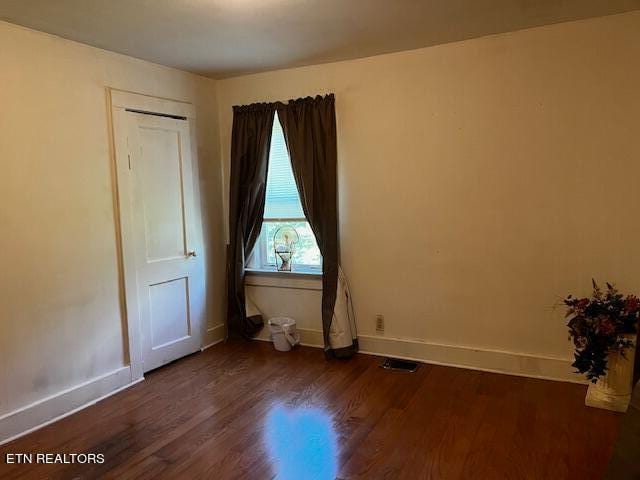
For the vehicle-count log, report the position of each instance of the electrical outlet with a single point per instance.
(379, 323)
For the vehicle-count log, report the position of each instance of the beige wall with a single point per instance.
(60, 318)
(499, 171)
(479, 181)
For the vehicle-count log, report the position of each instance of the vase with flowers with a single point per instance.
(603, 329)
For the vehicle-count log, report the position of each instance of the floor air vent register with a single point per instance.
(399, 364)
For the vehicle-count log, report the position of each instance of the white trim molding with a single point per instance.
(55, 407)
(494, 361)
(146, 103)
(213, 336)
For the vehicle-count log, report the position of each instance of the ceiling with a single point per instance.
(222, 38)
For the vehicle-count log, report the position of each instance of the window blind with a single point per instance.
(282, 199)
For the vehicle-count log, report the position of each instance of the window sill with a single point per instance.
(294, 274)
(272, 278)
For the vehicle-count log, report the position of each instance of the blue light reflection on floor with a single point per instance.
(302, 443)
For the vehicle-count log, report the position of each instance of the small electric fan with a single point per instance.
(284, 245)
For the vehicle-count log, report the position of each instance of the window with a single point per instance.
(283, 207)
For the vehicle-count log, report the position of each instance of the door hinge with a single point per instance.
(129, 157)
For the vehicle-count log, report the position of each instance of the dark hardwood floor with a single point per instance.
(242, 410)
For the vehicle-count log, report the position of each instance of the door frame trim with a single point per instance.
(120, 102)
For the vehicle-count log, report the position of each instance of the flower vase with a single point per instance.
(613, 390)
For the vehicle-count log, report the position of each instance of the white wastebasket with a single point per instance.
(283, 333)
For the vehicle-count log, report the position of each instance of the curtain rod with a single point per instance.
(274, 105)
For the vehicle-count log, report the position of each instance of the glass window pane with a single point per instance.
(282, 200)
(306, 252)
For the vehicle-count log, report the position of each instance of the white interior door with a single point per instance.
(168, 270)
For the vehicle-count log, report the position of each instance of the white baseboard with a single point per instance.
(55, 407)
(213, 336)
(510, 363)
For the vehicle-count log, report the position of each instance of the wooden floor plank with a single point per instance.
(215, 415)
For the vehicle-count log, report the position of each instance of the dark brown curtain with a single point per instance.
(309, 126)
(250, 142)
(636, 369)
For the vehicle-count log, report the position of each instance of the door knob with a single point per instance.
(192, 253)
